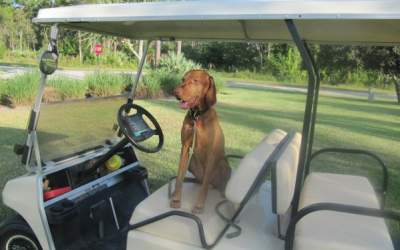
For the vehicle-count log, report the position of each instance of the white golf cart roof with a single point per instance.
(373, 22)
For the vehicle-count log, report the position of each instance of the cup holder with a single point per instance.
(61, 212)
(56, 209)
(68, 204)
(136, 174)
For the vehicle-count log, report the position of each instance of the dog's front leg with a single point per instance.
(176, 200)
(209, 164)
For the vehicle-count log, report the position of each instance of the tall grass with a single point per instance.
(68, 88)
(106, 83)
(21, 89)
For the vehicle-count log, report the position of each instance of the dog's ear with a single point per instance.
(211, 96)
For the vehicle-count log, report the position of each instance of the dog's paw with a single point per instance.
(197, 210)
(175, 203)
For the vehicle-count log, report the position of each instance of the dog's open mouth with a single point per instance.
(188, 104)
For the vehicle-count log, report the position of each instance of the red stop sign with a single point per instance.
(97, 49)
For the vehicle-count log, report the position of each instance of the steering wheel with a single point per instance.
(136, 129)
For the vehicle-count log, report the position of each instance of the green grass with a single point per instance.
(255, 78)
(246, 116)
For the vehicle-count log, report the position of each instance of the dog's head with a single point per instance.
(196, 90)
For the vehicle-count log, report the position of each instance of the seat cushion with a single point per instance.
(179, 228)
(284, 173)
(249, 167)
(325, 230)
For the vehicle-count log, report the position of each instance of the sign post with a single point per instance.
(98, 50)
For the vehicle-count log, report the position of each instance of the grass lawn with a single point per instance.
(246, 116)
(347, 87)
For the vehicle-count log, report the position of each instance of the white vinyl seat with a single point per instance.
(329, 230)
(283, 179)
(184, 229)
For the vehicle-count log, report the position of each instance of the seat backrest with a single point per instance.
(283, 178)
(246, 172)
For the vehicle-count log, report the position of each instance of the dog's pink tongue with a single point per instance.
(184, 105)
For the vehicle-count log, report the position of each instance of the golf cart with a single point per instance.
(98, 184)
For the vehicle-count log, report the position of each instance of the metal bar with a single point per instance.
(139, 71)
(314, 112)
(307, 113)
(114, 214)
(343, 208)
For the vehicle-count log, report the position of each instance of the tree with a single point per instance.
(385, 59)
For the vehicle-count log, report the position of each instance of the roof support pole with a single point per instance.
(139, 71)
(307, 113)
(314, 112)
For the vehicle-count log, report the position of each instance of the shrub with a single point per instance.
(168, 75)
(176, 64)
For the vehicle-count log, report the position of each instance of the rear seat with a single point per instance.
(155, 217)
(338, 230)
(322, 230)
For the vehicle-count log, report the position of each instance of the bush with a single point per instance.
(168, 75)
(176, 64)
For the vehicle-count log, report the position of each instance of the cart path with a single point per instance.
(304, 90)
(80, 74)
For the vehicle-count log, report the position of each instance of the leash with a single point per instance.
(170, 195)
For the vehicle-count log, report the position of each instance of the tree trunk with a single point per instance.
(130, 46)
(178, 47)
(397, 86)
(268, 50)
(20, 40)
(140, 49)
(80, 46)
(158, 53)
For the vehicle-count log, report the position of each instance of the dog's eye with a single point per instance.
(196, 80)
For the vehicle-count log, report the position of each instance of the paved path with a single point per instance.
(10, 70)
(304, 90)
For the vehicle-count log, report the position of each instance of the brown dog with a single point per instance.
(208, 162)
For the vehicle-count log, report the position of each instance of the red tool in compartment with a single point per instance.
(55, 192)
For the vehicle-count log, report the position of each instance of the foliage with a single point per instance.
(21, 89)
(107, 83)
(169, 73)
(176, 64)
(68, 88)
(155, 81)
(20, 41)
(223, 56)
(285, 68)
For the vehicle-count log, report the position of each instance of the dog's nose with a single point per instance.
(177, 93)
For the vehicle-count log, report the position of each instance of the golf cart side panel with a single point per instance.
(328, 22)
(19, 195)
